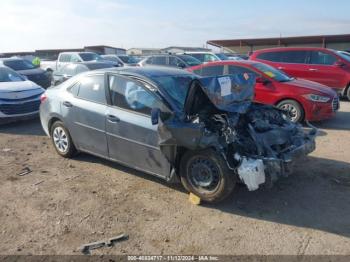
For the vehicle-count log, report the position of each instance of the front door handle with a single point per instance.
(67, 104)
(313, 69)
(280, 67)
(113, 118)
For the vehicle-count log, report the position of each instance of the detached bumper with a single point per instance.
(256, 171)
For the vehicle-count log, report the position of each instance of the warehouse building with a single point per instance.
(244, 46)
(52, 54)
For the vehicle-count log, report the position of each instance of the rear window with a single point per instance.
(19, 64)
(273, 57)
(159, 60)
(210, 71)
(92, 89)
(322, 58)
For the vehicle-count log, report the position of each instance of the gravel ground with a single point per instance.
(63, 204)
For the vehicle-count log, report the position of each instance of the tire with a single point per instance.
(196, 163)
(61, 140)
(294, 110)
(348, 93)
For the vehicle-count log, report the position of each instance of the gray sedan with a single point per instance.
(206, 132)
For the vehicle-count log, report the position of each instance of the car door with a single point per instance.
(84, 110)
(132, 139)
(322, 69)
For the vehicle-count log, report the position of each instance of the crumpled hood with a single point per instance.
(313, 86)
(231, 93)
(19, 90)
(28, 72)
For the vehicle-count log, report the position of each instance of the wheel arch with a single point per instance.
(293, 99)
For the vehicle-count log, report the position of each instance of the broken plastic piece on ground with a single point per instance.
(251, 172)
(85, 249)
(195, 200)
(24, 171)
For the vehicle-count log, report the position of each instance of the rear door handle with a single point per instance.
(280, 67)
(67, 104)
(313, 69)
(113, 118)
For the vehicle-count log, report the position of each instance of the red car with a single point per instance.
(303, 99)
(325, 66)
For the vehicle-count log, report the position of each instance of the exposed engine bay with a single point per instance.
(258, 142)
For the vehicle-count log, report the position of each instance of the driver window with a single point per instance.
(131, 95)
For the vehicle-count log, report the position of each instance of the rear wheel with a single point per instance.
(293, 109)
(206, 174)
(62, 140)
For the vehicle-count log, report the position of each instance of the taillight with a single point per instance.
(43, 97)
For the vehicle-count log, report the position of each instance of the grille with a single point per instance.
(335, 104)
(20, 108)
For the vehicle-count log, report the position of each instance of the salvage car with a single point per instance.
(70, 70)
(301, 99)
(170, 123)
(19, 97)
(27, 69)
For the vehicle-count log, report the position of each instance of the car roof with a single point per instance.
(149, 71)
(11, 59)
(227, 62)
(198, 52)
(278, 49)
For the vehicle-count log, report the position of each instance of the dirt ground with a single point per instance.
(63, 204)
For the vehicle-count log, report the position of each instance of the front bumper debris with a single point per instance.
(256, 171)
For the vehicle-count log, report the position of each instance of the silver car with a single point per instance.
(19, 97)
(170, 123)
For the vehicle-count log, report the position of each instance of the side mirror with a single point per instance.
(262, 80)
(339, 63)
(155, 113)
(181, 65)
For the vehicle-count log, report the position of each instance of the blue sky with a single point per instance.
(39, 24)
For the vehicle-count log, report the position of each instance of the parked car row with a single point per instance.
(296, 80)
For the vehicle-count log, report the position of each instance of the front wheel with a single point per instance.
(62, 140)
(206, 174)
(293, 110)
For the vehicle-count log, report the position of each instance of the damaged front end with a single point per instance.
(258, 142)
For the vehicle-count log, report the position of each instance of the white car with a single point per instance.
(204, 57)
(19, 97)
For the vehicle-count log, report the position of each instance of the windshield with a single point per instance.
(191, 61)
(19, 64)
(128, 59)
(344, 55)
(8, 75)
(176, 87)
(272, 72)
(90, 57)
(223, 57)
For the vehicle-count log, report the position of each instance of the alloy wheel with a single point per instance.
(60, 139)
